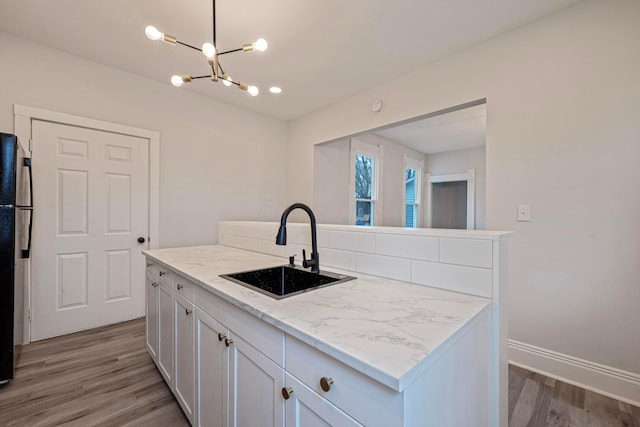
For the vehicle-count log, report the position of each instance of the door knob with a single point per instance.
(141, 239)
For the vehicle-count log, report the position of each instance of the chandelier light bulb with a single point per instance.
(177, 81)
(209, 50)
(153, 33)
(261, 45)
(253, 91)
(227, 81)
(275, 89)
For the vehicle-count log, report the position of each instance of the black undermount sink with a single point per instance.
(284, 281)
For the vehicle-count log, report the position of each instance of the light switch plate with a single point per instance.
(524, 213)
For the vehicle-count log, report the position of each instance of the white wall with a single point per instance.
(331, 182)
(459, 161)
(563, 132)
(217, 161)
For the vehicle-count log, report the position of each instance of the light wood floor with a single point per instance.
(101, 377)
(105, 377)
(536, 400)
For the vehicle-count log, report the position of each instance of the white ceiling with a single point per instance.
(456, 130)
(320, 51)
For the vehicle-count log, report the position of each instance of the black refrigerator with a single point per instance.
(16, 210)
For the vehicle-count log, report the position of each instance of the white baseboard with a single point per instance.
(612, 382)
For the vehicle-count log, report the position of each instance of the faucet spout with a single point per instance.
(281, 237)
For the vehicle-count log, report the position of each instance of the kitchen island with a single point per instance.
(372, 351)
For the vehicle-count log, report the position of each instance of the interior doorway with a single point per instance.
(97, 208)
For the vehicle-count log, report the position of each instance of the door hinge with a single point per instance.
(31, 144)
(29, 315)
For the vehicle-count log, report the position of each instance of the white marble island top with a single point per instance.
(386, 329)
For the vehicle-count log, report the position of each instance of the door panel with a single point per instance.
(91, 195)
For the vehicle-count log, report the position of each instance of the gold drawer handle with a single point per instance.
(162, 273)
(228, 342)
(149, 264)
(154, 284)
(325, 383)
(179, 286)
(221, 336)
(287, 392)
(188, 311)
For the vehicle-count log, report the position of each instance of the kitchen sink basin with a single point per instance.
(285, 280)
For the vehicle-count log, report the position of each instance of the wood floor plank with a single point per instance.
(562, 414)
(569, 394)
(526, 403)
(103, 377)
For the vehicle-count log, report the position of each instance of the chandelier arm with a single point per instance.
(230, 51)
(188, 45)
(200, 77)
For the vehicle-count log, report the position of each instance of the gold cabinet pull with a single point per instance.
(188, 311)
(154, 284)
(179, 286)
(149, 264)
(228, 342)
(287, 392)
(162, 273)
(221, 336)
(325, 383)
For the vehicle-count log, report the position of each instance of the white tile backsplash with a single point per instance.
(470, 280)
(384, 266)
(414, 247)
(471, 252)
(353, 241)
(345, 260)
(457, 260)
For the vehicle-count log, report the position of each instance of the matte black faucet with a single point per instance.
(281, 237)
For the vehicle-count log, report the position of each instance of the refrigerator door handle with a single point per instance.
(26, 253)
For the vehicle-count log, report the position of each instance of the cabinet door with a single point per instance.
(152, 307)
(184, 378)
(212, 364)
(255, 387)
(305, 408)
(165, 333)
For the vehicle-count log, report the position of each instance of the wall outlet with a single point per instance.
(524, 213)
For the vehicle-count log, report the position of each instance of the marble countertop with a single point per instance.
(386, 329)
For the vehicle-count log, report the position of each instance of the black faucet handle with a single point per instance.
(311, 262)
(292, 260)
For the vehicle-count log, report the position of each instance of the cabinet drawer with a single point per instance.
(364, 399)
(184, 287)
(163, 274)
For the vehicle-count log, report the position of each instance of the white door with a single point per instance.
(91, 189)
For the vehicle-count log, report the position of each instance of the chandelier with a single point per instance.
(210, 51)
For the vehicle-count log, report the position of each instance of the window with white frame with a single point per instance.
(412, 191)
(366, 162)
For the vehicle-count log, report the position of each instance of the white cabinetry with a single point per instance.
(229, 370)
(305, 408)
(212, 365)
(184, 355)
(159, 307)
(227, 365)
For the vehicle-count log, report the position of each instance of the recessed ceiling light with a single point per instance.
(275, 89)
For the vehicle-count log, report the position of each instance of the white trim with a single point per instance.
(469, 177)
(615, 383)
(23, 116)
